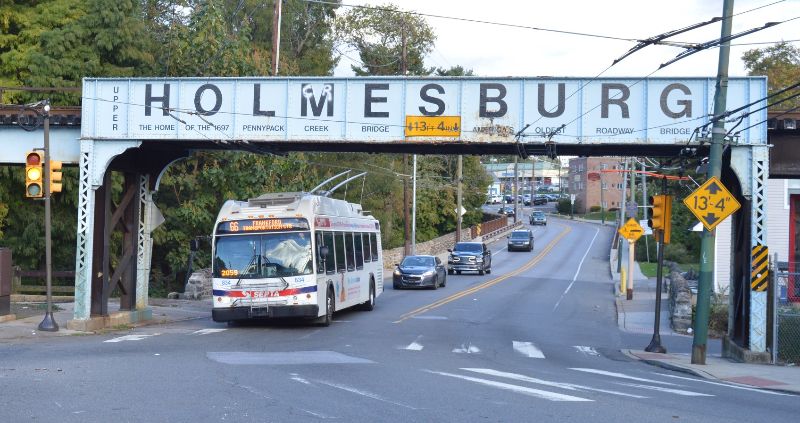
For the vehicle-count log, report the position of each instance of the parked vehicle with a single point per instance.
(538, 218)
(419, 272)
(495, 199)
(539, 199)
(469, 256)
(520, 240)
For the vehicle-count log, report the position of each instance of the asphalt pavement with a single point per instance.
(538, 339)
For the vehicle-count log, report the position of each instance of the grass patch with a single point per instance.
(650, 269)
(610, 216)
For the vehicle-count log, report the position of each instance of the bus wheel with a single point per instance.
(329, 308)
(369, 305)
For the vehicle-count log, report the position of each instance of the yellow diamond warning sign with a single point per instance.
(711, 203)
(631, 230)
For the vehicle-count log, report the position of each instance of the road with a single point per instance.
(535, 340)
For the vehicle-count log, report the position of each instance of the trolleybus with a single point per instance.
(297, 254)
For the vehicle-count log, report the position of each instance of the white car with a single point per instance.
(495, 199)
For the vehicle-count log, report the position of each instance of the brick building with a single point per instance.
(586, 181)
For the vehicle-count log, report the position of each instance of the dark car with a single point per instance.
(538, 218)
(508, 211)
(469, 256)
(520, 240)
(419, 272)
(539, 199)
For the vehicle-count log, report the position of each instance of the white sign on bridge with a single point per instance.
(617, 111)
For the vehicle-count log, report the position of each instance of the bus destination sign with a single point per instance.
(262, 225)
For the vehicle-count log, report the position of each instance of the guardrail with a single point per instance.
(21, 278)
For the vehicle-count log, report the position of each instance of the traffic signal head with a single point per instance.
(34, 178)
(54, 167)
(661, 215)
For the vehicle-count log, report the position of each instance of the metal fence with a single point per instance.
(786, 330)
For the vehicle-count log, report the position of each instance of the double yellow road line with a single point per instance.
(486, 284)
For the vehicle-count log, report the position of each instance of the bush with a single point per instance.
(564, 206)
(594, 209)
(678, 253)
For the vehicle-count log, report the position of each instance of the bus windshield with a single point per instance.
(272, 255)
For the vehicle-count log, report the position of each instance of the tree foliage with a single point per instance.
(55, 43)
(781, 64)
(388, 41)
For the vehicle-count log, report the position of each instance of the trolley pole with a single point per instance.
(699, 343)
(459, 170)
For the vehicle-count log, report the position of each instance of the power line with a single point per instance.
(480, 21)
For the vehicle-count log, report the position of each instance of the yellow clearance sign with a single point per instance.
(711, 203)
(631, 230)
(433, 126)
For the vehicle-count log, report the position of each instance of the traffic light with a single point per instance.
(34, 178)
(661, 215)
(55, 176)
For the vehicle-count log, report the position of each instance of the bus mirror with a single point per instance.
(323, 251)
(194, 245)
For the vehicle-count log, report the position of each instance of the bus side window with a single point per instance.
(351, 251)
(341, 263)
(359, 250)
(367, 251)
(319, 243)
(330, 261)
(374, 245)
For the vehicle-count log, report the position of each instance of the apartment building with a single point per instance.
(592, 186)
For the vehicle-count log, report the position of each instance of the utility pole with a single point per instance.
(406, 217)
(516, 191)
(602, 199)
(644, 210)
(48, 324)
(414, 209)
(699, 343)
(459, 170)
(276, 36)
(622, 215)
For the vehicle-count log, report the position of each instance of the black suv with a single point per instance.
(469, 256)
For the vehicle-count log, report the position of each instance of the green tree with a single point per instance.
(55, 43)
(781, 64)
(388, 41)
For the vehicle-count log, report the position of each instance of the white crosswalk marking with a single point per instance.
(467, 349)
(207, 331)
(669, 390)
(550, 396)
(745, 388)
(527, 349)
(567, 386)
(620, 375)
(131, 337)
(586, 350)
(414, 346)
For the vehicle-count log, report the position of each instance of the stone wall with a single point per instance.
(680, 300)
(198, 288)
(434, 247)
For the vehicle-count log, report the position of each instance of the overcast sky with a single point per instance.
(491, 50)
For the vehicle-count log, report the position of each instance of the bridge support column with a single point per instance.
(145, 242)
(95, 156)
(751, 165)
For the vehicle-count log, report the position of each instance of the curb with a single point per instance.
(669, 366)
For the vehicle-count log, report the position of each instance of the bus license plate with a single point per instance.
(259, 311)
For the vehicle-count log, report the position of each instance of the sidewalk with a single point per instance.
(636, 316)
(164, 311)
(763, 376)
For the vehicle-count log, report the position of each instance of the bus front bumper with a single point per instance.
(278, 311)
